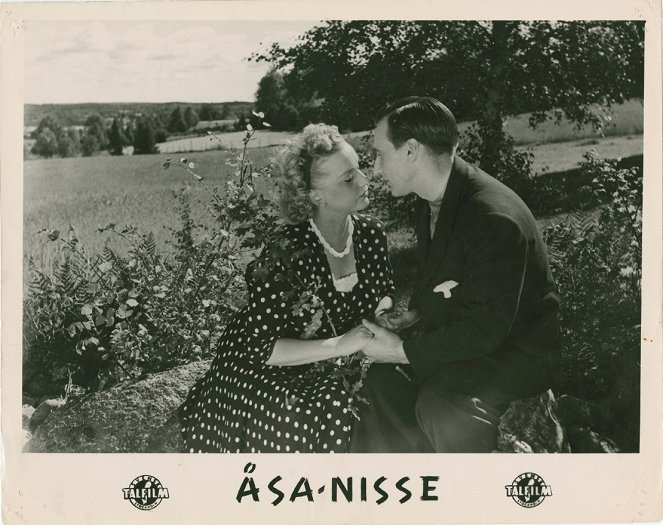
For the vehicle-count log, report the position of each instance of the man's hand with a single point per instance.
(397, 321)
(386, 346)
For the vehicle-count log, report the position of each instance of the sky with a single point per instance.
(148, 61)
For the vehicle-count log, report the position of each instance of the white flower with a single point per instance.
(445, 288)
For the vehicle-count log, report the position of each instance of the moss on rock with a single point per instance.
(138, 416)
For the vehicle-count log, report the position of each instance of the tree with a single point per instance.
(190, 117)
(116, 139)
(47, 122)
(208, 112)
(177, 124)
(273, 100)
(483, 71)
(144, 138)
(69, 143)
(46, 144)
(94, 137)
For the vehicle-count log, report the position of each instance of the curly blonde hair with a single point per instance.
(296, 164)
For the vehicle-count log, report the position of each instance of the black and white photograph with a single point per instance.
(417, 236)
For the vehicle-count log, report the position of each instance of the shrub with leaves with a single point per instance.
(103, 318)
(596, 261)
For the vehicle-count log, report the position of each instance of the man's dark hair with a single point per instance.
(424, 119)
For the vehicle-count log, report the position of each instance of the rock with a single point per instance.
(531, 425)
(43, 411)
(28, 411)
(577, 412)
(136, 416)
(140, 416)
(586, 441)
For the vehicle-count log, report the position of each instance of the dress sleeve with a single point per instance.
(269, 309)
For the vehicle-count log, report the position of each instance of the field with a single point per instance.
(90, 192)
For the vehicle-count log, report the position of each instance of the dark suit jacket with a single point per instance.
(498, 332)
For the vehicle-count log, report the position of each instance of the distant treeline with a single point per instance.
(140, 132)
(77, 114)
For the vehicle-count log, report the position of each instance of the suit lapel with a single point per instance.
(445, 221)
(422, 214)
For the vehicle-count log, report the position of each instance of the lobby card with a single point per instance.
(126, 128)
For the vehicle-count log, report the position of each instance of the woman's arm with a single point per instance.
(292, 352)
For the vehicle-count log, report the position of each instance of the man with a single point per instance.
(487, 330)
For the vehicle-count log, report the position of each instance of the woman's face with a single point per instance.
(339, 185)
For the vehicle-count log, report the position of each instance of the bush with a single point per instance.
(596, 260)
(113, 316)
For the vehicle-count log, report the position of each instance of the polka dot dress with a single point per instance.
(245, 405)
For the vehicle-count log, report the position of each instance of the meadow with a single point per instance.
(88, 192)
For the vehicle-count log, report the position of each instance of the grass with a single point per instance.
(90, 192)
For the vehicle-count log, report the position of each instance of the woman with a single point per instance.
(264, 392)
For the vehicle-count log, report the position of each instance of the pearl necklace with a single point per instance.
(327, 246)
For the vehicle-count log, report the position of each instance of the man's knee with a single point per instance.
(456, 422)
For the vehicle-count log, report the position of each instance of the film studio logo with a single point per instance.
(528, 490)
(145, 492)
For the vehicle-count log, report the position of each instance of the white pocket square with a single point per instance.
(445, 288)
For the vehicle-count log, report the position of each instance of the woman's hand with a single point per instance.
(353, 340)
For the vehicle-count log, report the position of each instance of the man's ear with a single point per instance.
(413, 149)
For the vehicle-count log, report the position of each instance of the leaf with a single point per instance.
(99, 320)
(133, 293)
(110, 316)
(105, 267)
(132, 302)
(206, 303)
(86, 309)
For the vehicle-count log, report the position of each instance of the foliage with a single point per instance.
(116, 139)
(145, 138)
(511, 166)
(483, 71)
(47, 143)
(176, 123)
(51, 139)
(596, 261)
(75, 114)
(94, 137)
(109, 317)
(190, 117)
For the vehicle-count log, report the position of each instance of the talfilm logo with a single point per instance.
(528, 490)
(145, 492)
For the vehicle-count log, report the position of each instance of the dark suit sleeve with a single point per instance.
(487, 299)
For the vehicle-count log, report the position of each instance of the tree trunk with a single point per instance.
(492, 118)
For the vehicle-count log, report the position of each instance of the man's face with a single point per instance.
(391, 163)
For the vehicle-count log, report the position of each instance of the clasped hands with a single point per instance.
(385, 345)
